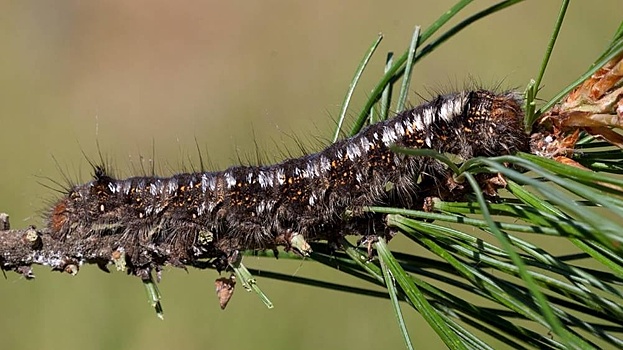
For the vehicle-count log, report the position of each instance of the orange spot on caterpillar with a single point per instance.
(58, 219)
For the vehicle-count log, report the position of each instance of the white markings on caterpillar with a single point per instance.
(428, 116)
(452, 107)
(353, 152)
(365, 144)
(389, 136)
(153, 188)
(172, 186)
(230, 180)
(204, 182)
(265, 179)
(280, 175)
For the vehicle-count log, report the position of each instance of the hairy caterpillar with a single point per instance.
(194, 217)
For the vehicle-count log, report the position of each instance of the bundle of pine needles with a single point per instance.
(503, 283)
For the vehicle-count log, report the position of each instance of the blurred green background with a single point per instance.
(139, 76)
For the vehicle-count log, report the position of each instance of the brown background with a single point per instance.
(142, 75)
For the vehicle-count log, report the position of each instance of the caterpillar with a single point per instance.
(210, 216)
